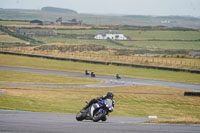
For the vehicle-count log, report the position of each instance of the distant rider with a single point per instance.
(117, 76)
(109, 95)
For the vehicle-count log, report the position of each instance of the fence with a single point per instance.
(102, 62)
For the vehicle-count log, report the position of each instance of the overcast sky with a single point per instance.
(134, 7)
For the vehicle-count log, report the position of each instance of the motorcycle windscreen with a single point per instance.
(108, 102)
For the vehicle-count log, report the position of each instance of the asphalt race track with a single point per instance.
(110, 81)
(12, 121)
(36, 122)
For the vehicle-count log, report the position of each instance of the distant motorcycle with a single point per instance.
(117, 76)
(97, 111)
(93, 74)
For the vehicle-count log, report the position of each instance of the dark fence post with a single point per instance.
(191, 93)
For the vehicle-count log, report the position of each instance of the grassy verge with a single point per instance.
(14, 23)
(10, 39)
(183, 120)
(24, 77)
(62, 50)
(137, 101)
(18, 61)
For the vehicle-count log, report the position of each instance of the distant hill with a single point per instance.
(52, 14)
(190, 18)
(58, 10)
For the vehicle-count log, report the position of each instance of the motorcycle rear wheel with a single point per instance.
(79, 116)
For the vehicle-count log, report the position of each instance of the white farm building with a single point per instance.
(110, 35)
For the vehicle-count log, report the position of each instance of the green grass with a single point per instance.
(10, 39)
(150, 45)
(138, 101)
(24, 77)
(162, 35)
(71, 41)
(18, 61)
(80, 32)
(143, 35)
(13, 23)
(162, 45)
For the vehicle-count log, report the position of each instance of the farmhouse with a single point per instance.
(47, 23)
(36, 22)
(59, 21)
(110, 35)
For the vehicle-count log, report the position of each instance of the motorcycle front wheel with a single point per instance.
(99, 115)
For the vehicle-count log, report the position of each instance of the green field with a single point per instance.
(80, 32)
(134, 45)
(163, 35)
(153, 40)
(137, 101)
(14, 23)
(73, 41)
(18, 61)
(143, 35)
(162, 45)
(10, 39)
(24, 77)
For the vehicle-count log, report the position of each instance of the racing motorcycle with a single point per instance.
(96, 112)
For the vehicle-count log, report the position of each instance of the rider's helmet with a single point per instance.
(110, 95)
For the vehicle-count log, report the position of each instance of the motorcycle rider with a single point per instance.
(109, 95)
